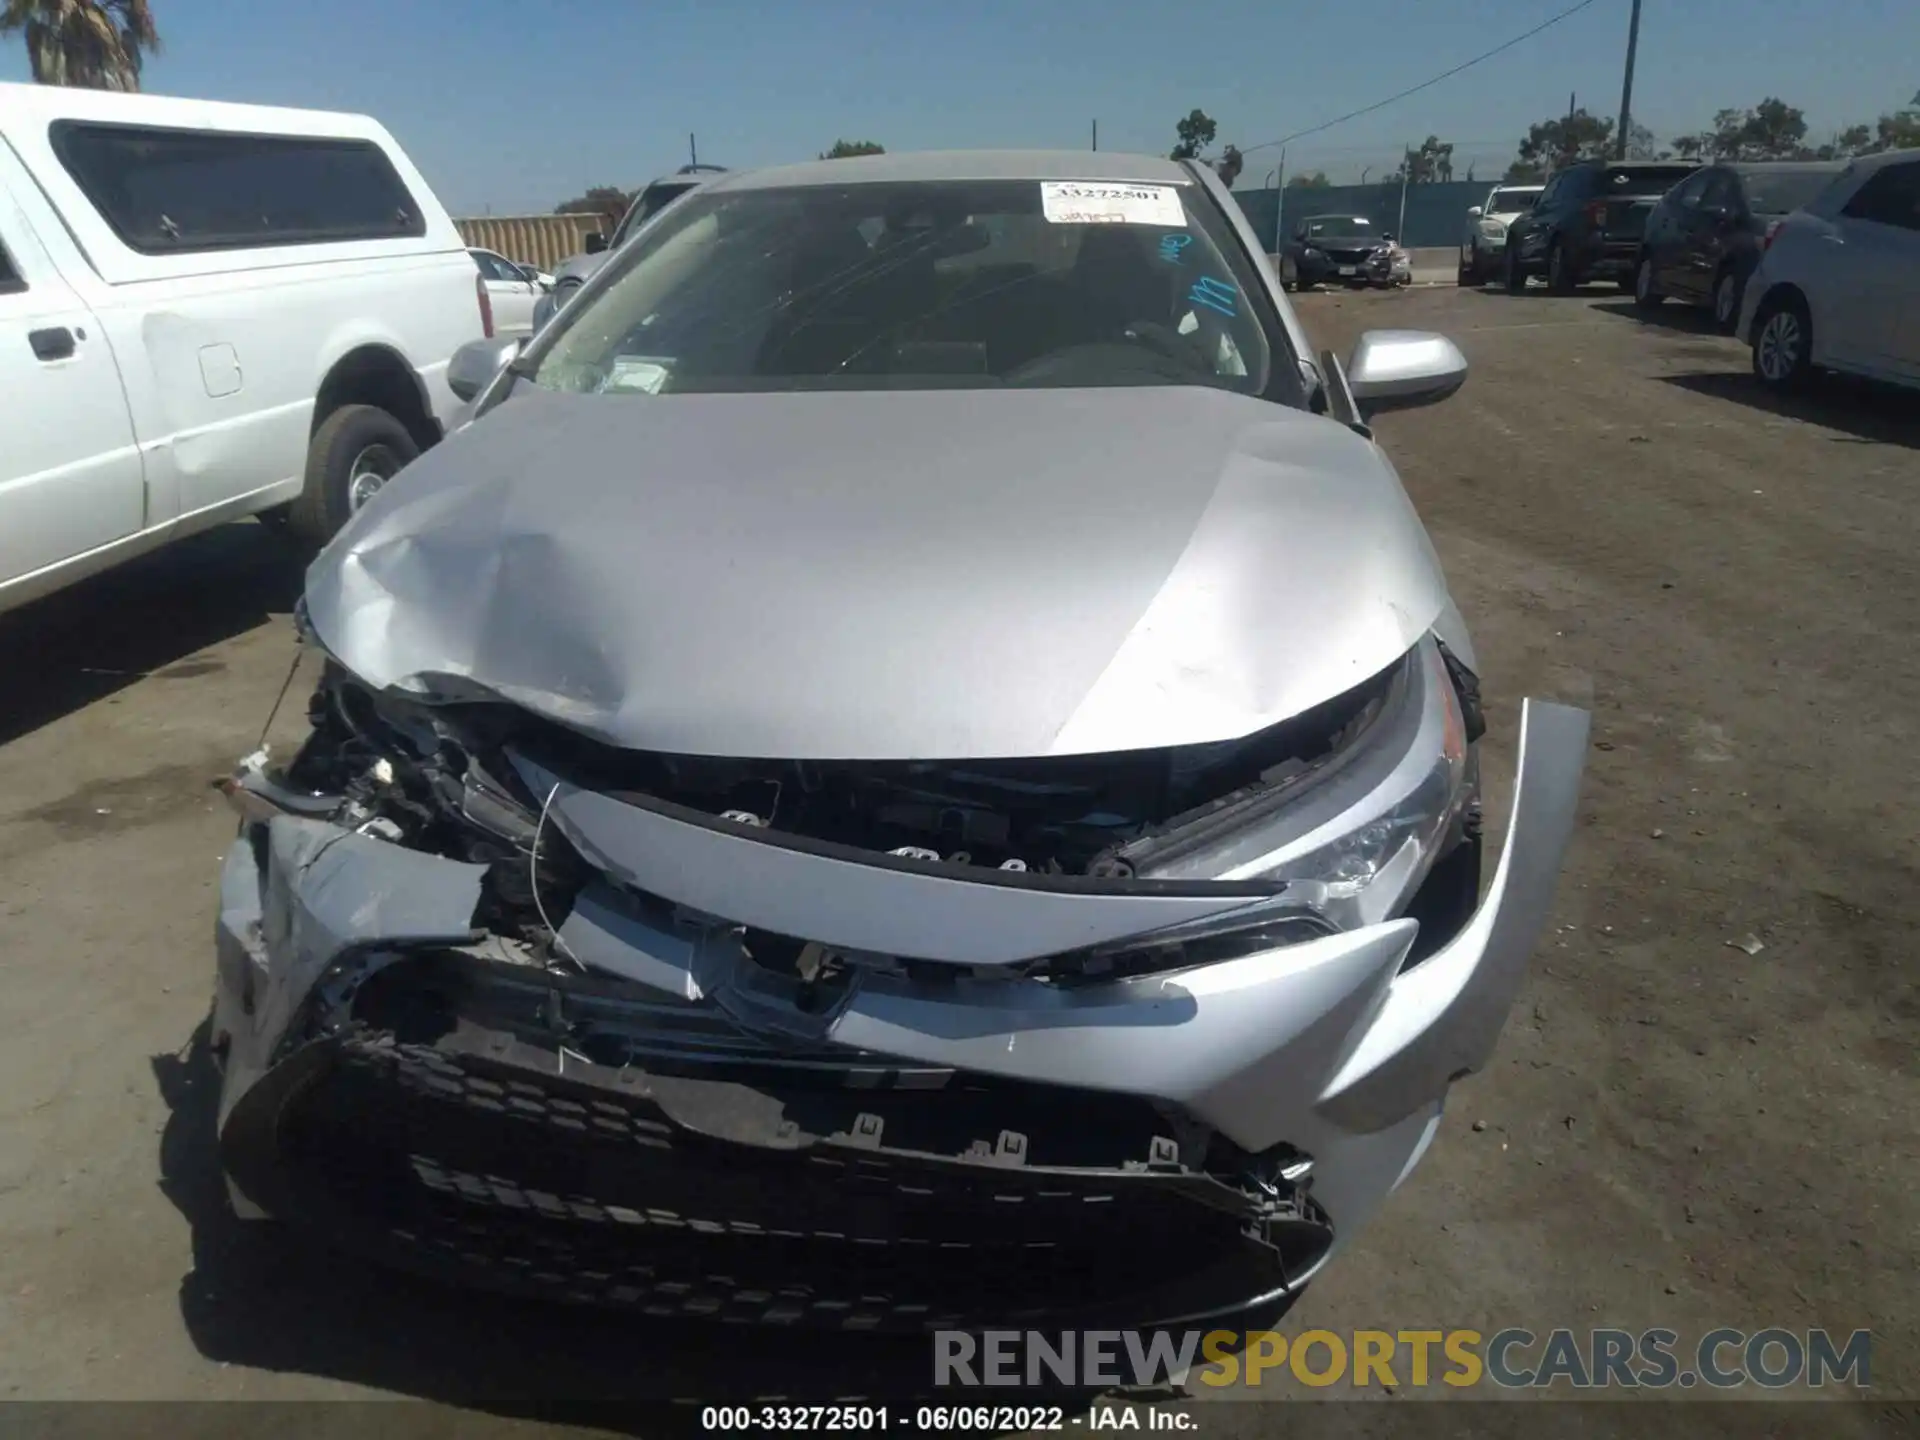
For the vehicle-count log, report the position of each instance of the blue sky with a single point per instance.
(513, 107)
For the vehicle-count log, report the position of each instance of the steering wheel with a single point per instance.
(1161, 339)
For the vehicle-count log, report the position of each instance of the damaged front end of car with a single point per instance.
(1129, 1038)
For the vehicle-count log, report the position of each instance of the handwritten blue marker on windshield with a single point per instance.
(1172, 245)
(1214, 294)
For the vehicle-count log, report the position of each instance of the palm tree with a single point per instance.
(98, 44)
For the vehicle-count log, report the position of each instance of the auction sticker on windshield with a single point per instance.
(1092, 202)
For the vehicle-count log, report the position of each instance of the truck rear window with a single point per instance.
(170, 192)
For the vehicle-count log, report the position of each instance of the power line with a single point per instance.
(1424, 84)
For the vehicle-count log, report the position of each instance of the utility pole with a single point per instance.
(1279, 200)
(1626, 88)
(693, 151)
(1096, 134)
(1406, 175)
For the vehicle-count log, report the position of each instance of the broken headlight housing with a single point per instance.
(1352, 843)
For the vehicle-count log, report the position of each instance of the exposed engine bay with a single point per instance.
(437, 778)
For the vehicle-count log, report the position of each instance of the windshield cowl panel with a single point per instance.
(917, 285)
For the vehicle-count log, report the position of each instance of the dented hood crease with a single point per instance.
(886, 575)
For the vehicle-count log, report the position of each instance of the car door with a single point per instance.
(1675, 221)
(512, 294)
(1710, 229)
(71, 478)
(1527, 236)
(1875, 274)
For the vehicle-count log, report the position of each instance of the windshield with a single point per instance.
(923, 285)
(1506, 202)
(1779, 192)
(652, 201)
(1338, 225)
(1650, 181)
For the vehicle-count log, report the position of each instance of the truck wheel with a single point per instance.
(356, 450)
(1560, 276)
(1646, 293)
(1728, 293)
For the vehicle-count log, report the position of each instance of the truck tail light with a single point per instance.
(1766, 241)
(486, 305)
(1597, 213)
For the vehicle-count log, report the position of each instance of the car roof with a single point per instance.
(1784, 167)
(1883, 159)
(934, 165)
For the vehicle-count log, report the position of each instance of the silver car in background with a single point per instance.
(1838, 284)
(914, 767)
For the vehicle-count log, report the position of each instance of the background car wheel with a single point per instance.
(1469, 274)
(356, 450)
(1783, 343)
(1560, 278)
(1727, 295)
(1645, 294)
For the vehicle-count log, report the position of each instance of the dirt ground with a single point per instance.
(1674, 1132)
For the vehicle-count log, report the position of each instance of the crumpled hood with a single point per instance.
(934, 574)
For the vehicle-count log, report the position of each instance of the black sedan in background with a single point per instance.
(1707, 234)
(1343, 248)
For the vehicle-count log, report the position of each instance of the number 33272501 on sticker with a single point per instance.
(1082, 202)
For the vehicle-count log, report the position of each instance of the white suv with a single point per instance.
(1483, 249)
(209, 311)
(1838, 286)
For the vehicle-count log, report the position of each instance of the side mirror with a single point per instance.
(595, 242)
(475, 364)
(1403, 369)
(1474, 212)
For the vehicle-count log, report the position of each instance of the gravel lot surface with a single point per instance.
(1675, 1132)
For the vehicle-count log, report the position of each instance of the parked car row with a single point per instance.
(1815, 265)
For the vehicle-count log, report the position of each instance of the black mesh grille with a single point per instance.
(486, 1171)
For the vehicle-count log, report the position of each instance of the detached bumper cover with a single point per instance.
(984, 1148)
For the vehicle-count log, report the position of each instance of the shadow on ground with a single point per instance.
(1686, 319)
(92, 639)
(1867, 414)
(258, 1296)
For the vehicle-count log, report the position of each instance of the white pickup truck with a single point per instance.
(209, 311)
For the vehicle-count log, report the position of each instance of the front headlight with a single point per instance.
(1493, 229)
(1352, 843)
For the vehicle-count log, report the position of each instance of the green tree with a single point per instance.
(846, 149)
(605, 200)
(1229, 165)
(1314, 181)
(1554, 144)
(1771, 130)
(1898, 131)
(1643, 144)
(96, 44)
(1430, 164)
(1196, 133)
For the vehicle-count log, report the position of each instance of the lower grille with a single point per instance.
(494, 1162)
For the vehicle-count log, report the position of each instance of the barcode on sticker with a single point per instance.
(1092, 202)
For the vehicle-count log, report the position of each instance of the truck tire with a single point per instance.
(1560, 277)
(356, 450)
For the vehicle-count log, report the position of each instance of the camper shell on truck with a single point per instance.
(209, 311)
